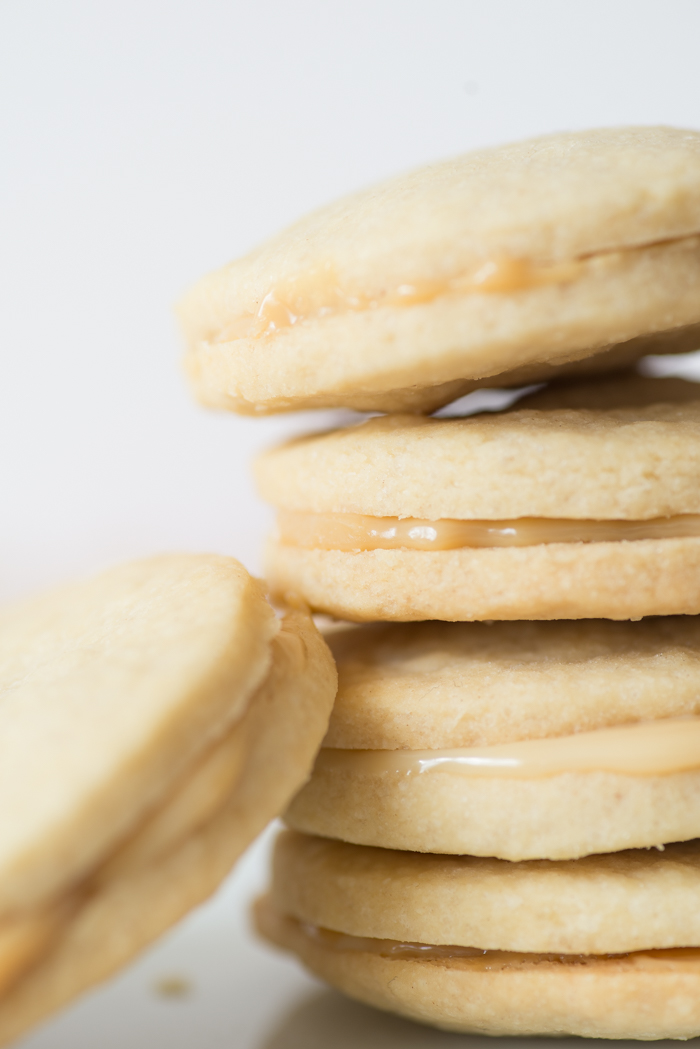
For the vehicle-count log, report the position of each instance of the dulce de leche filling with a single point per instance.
(354, 532)
(649, 748)
(318, 292)
(478, 959)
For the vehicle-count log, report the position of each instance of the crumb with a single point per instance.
(172, 987)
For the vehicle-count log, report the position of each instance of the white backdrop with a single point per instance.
(143, 142)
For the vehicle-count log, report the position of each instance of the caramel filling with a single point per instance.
(480, 960)
(353, 532)
(648, 748)
(319, 292)
(25, 938)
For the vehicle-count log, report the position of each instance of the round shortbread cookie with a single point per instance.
(644, 996)
(182, 660)
(636, 462)
(560, 816)
(505, 264)
(613, 904)
(416, 686)
(431, 687)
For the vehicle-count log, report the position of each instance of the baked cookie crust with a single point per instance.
(640, 998)
(552, 817)
(617, 580)
(433, 685)
(609, 904)
(611, 215)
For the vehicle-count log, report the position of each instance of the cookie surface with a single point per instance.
(112, 687)
(644, 996)
(501, 264)
(552, 581)
(611, 904)
(563, 815)
(414, 686)
(193, 651)
(628, 462)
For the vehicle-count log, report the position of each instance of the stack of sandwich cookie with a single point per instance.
(515, 742)
(482, 844)
(154, 720)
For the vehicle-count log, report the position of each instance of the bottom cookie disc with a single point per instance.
(646, 995)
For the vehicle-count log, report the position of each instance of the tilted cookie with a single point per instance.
(518, 740)
(153, 720)
(603, 947)
(532, 513)
(500, 268)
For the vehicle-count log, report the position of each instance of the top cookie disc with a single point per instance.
(153, 720)
(577, 251)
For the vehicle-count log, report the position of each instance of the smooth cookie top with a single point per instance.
(439, 685)
(527, 255)
(111, 689)
(635, 461)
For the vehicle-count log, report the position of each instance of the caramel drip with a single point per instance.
(478, 959)
(352, 532)
(648, 748)
(319, 292)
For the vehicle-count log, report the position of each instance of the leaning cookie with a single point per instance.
(533, 513)
(500, 267)
(603, 947)
(515, 740)
(160, 715)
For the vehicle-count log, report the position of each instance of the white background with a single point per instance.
(143, 142)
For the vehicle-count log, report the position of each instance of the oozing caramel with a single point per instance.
(352, 532)
(485, 960)
(648, 748)
(319, 293)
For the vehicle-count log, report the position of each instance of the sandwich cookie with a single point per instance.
(604, 947)
(534, 513)
(516, 740)
(501, 267)
(153, 720)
